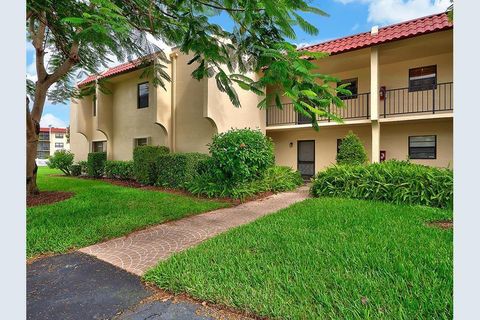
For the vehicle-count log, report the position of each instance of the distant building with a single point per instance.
(50, 140)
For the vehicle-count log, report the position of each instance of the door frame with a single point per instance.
(298, 156)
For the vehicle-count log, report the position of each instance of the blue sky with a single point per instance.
(346, 17)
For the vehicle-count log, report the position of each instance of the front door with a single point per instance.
(306, 157)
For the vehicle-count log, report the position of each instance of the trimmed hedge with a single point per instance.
(75, 170)
(96, 164)
(145, 163)
(122, 170)
(399, 182)
(176, 170)
(351, 151)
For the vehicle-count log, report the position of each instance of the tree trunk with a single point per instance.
(33, 130)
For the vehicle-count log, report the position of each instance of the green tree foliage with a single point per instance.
(351, 151)
(82, 35)
(62, 160)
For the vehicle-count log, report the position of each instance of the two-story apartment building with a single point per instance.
(401, 77)
(50, 140)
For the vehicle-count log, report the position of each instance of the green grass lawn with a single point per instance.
(99, 211)
(325, 258)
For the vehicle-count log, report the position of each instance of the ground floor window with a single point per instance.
(99, 146)
(422, 147)
(141, 142)
(58, 144)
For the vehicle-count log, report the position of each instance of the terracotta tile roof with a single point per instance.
(403, 30)
(124, 67)
(54, 130)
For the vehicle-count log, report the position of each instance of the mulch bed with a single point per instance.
(135, 184)
(48, 197)
(442, 224)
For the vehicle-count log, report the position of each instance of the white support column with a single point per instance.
(375, 157)
(374, 84)
(173, 146)
(374, 104)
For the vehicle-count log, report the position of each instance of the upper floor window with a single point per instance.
(352, 87)
(141, 142)
(422, 147)
(142, 95)
(44, 136)
(94, 105)
(423, 78)
(58, 144)
(59, 135)
(99, 146)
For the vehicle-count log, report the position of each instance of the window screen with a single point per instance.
(143, 95)
(99, 146)
(423, 78)
(422, 147)
(353, 87)
(141, 142)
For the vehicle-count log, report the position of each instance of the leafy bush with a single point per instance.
(351, 151)
(241, 155)
(176, 170)
(84, 166)
(119, 169)
(281, 178)
(61, 159)
(399, 182)
(75, 170)
(145, 163)
(276, 179)
(96, 164)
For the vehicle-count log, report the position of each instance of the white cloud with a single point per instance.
(391, 11)
(49, 119)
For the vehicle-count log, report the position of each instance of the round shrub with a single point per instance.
(351, 151)
(241, 155)
(75, 170)
(61, 159)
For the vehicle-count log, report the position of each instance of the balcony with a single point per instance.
(405, 101)
(397, 102)
(356, 107)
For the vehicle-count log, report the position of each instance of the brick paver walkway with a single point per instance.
(141, 250)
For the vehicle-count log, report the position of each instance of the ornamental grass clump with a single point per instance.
(399, 182)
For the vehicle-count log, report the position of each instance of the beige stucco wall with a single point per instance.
(192, 130)
(225, 115)
(394, 139)
(129, 122)
(325, 143)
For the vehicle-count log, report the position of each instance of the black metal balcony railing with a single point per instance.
(405, 101)
(356, 107)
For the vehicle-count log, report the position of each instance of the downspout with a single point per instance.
(174, 56)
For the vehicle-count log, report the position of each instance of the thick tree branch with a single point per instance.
(66, 65)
